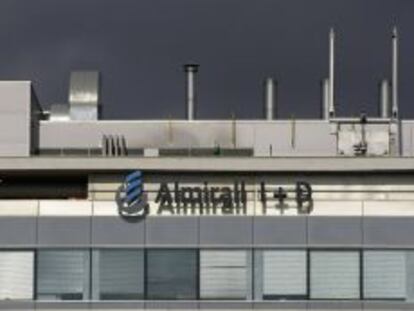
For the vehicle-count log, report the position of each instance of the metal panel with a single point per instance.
(181, 231)
(388, 231)
(118, 274)
(117, 305)
(15, 118)
(16, 275)
(17, 305)
(64, 231)
(224, 274)
(84, 95)
(334, 275)
(335, 305)
(59, 112)
(17, 231)
(62, 275)
(234, 230)
(273, 231)
(115, 230)
(336, 231)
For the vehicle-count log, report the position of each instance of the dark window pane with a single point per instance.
(63, 275)
(172, 274)
(120, 274)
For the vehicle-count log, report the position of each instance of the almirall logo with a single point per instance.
(130, 197)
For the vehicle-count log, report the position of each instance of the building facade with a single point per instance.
(203, 215)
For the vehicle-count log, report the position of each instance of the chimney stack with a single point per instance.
(270, 98)
(332, 73)
(394, 110)
(384, 99)
(191, 96)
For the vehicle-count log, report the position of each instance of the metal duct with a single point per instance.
(331, 73)
(59, 112)
(395, 73)
(384, 99)
(270, 99)
(325, 99)
(190, 71)
(84, 95)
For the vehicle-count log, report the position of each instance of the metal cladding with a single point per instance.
(270, 99)
(331, 73)
(84, 95)
(395, 73)
(325, 99)
(191, 96)
(59, 112)
(384, 99)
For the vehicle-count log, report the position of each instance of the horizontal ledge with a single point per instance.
(210, 164)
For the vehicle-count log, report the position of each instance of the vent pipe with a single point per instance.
(270, 99)
(384, 99)
(331, 73)
(395, 73)
(325, 99)
(190, 72)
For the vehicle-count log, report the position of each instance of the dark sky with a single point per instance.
(139, 46)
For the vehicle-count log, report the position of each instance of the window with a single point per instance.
(16, 275)
(118, 274)
(281, 274)
(225, 274)
(334, 275)
(172, 274)
(385, 274)
(63, 275)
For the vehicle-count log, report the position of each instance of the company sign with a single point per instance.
(130, 197)
(174, 198)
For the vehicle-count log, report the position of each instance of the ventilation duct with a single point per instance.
(191, 96)
(84, 95)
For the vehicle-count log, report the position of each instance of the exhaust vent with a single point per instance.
(191, 99)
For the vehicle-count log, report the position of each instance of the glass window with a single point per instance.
(16, 275)
(385, 274)
(172, 274)
(118, 274)
(334, 275)
(63, 275)
(281, 274)
(225, 274)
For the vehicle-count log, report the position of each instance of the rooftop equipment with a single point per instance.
(191, 96)
(331, 72)
(395, 73)
(270, 98)
(84, 95)
(384, 88)
(325, 99)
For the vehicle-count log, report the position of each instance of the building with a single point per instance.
(204, 215)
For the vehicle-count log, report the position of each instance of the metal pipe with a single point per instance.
(325, 99)
(190, 70)
(270, 99)
(384, 99)
(395, 72)
(331, 72)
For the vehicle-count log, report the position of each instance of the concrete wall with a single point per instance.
(15, 119)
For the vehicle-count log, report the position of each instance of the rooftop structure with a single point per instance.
(269, 214)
